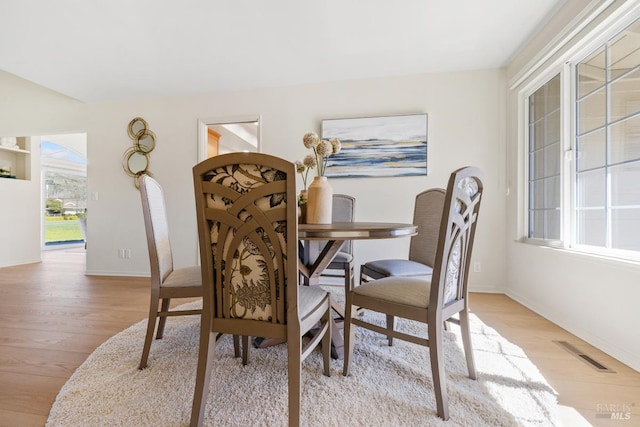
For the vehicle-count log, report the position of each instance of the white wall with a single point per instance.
(27, 109)
(466, 125)
(593, 298)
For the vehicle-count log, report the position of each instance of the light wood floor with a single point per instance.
(53, 317)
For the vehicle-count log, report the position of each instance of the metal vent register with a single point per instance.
(584, 357)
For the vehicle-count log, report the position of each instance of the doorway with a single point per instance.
(227, 135)
(63, 165)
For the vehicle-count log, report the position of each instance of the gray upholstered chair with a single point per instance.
(166, 282)
(429, 301)
(343, 210)
(427, 214)
(248, 226)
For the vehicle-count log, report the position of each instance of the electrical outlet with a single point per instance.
(477, 267)
(124, 253)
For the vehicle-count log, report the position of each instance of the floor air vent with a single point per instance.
(584, 357)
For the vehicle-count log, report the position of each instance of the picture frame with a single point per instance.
(379, 146)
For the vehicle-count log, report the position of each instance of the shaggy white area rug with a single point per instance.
(389, 386)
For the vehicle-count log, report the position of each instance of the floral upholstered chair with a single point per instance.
(247, 225)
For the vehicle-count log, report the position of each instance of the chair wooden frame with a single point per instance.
(427, 215)
(431, 302)
(291, 317)
(166, 282)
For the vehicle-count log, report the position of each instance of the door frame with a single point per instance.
(204, 123)
(63, 167)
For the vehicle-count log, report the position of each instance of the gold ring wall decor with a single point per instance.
(145, 141)
(135, 160)
(136, 126)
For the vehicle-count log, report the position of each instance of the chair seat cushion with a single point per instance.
(408, 291)
(342, 257)
(184, 277)
(397, 267)
(309, 297)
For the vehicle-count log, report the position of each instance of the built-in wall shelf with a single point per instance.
(15, 162)
(16, 150)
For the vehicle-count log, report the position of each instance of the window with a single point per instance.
(608, 144)
(544, 161)
(602, 212)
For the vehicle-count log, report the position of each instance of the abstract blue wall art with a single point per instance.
(383, 146)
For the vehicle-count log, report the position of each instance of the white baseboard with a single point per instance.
(119, 274)
(612, 349)
(483, 289)
(21, 262)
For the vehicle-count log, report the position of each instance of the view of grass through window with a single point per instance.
(61, 230)
(65, 207)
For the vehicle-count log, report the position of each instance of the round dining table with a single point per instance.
(334, 235)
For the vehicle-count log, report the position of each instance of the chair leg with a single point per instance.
(151, 326)
(203, 373)
(349, 337)
(465, 331)
(163, 319)
(391, 326)
(437, 369)
(245, 350)
(236, 345)
(363, 278)
(348, 277)
(294, 350)
(326, 340)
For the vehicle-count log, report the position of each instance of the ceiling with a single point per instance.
(120, 49)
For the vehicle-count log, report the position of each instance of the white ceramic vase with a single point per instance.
(319, 203)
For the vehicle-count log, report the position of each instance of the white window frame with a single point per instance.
(580, 56)
(528, 91)
(565, 65)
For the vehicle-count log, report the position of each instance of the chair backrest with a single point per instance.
(342, 210)
(427, 215)
(457, 232)
(247, 225)
(157, 229)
